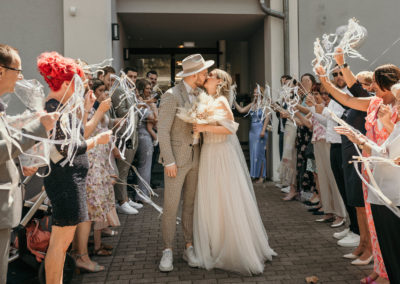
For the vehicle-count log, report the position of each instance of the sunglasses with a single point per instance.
(335, 74)
(10, 68)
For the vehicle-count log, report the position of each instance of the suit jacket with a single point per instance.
(174, 135)
(10, 192)
(121, 106)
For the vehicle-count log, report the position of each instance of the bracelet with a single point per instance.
(345, 65)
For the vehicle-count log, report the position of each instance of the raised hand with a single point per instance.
(339, 56)
(104, 137)
(90, 98)
(384, 113)
(29, 171)
(319, 108)
(342, 130)
(48, 120)
(105, 105)
(310, 100)
(320, 71)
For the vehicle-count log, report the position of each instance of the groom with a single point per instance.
(179, 153)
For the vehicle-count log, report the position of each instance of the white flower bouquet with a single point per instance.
(205, 110)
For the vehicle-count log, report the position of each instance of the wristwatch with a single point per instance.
(345, 65)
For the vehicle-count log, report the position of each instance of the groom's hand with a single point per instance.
(171, 170)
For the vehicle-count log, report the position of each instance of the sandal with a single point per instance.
(83, 268)
(102, 252)
(106, 247)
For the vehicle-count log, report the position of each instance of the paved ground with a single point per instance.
(304, 247)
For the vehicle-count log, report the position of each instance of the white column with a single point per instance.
(87, 34)
(274, 67)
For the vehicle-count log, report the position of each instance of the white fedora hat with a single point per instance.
(193, 64)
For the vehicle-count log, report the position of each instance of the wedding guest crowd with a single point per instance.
(87, 189)
(368, 102)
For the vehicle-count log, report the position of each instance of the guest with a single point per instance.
(378, 125)
(10, 212)
(121, 106)
(331, 200)
(304, 178)
(100, 190)
(66, 185)
(131, 73)
(258, 136)
(145, 149)
(386, 222)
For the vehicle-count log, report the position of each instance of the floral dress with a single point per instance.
(378, 134)
(99, 187)
(305, 178)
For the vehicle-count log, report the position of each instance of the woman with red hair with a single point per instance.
(66, 184)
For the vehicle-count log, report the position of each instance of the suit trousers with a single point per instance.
(186, 180)
(120, 190)
(387, 226)
(4, 249)
(331, 199)
(337, 168)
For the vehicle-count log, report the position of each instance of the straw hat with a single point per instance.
(193, 64)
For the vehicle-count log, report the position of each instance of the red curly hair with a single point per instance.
(56, 69)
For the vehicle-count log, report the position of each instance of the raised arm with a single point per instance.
(347, 74)
(98, 115)
(244, 109)
(343, 98)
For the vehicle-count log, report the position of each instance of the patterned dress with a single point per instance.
(378, 134)
(99, 187)
(305, 178)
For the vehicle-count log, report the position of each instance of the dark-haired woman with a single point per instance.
(379, 124)
(66, 184)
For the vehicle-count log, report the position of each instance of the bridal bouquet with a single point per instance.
(204, 110)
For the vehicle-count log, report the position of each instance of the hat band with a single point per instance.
(194, 68)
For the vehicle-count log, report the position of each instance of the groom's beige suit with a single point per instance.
(176, 146)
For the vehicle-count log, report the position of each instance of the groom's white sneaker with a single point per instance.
(167, 259)
(190, 257)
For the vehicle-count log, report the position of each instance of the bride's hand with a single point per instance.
(198, 128)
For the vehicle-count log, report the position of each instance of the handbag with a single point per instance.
(37, 239)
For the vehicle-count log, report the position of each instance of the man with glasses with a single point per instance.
(10, 192)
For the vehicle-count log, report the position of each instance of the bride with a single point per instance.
(228, 230)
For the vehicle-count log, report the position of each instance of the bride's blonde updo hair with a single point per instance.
(224, 88)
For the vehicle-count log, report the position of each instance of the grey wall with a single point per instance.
(380, 18)
(32, 26)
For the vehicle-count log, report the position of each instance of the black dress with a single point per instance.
(355, 118)
(66, 185)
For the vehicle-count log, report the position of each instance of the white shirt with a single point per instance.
(325, 118)
(387, 177)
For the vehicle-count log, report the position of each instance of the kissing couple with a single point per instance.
(221, 222)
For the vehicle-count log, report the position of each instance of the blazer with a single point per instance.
(174, 135)
(10, 192)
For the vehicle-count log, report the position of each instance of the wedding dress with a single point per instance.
(228, 230)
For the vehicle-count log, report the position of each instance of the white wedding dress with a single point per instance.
(228, 231)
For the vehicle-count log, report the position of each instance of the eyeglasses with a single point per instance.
(10, 68)
(335, 74)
